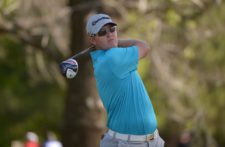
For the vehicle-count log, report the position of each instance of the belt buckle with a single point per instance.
(150, 137)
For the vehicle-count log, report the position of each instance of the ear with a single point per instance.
(92, 41)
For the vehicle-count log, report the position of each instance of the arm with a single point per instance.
(143, 47)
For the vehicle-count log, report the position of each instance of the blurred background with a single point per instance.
(184, 72)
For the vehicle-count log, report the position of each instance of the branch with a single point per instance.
(26, 38)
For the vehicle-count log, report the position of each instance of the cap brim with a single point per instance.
(110, 23)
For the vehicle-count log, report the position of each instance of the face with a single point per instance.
(106, 38)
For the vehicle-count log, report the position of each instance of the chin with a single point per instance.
(114, 44)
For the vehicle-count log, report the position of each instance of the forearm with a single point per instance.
(128, 42)
(143, 47)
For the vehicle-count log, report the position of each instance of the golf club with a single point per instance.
(69, 67)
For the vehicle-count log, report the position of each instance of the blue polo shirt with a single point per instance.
(128, 106)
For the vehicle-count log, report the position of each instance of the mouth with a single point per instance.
(111, 40)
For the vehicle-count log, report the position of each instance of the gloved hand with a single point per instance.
(69, 68)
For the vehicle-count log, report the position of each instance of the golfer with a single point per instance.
(131, 119)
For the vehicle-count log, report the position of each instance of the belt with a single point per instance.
(128, 137)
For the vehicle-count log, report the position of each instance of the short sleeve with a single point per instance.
(123, 60)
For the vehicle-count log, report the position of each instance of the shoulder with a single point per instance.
(120, 51)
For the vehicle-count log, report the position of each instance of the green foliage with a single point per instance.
(210, 63)
(189, 92)
(8, 6)
(173, 18)
(25, 105)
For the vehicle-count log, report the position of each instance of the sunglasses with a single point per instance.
(104, 31)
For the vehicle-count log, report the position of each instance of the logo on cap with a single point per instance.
(95, 22)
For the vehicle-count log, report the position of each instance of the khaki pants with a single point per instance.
(109, 141)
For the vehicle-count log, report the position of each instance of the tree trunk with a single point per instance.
(82, 125)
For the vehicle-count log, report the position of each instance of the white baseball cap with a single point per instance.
(96, 22)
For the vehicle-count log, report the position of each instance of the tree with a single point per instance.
(82, 126)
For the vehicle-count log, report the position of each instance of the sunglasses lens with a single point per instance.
(103, 32)
(112, 29)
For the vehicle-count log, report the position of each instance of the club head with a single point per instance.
(69, 68)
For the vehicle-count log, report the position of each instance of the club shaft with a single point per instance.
(83, 52)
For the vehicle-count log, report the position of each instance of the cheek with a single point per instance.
(100, 43)
(116, 38)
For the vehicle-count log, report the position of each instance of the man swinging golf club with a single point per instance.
(131, 119)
